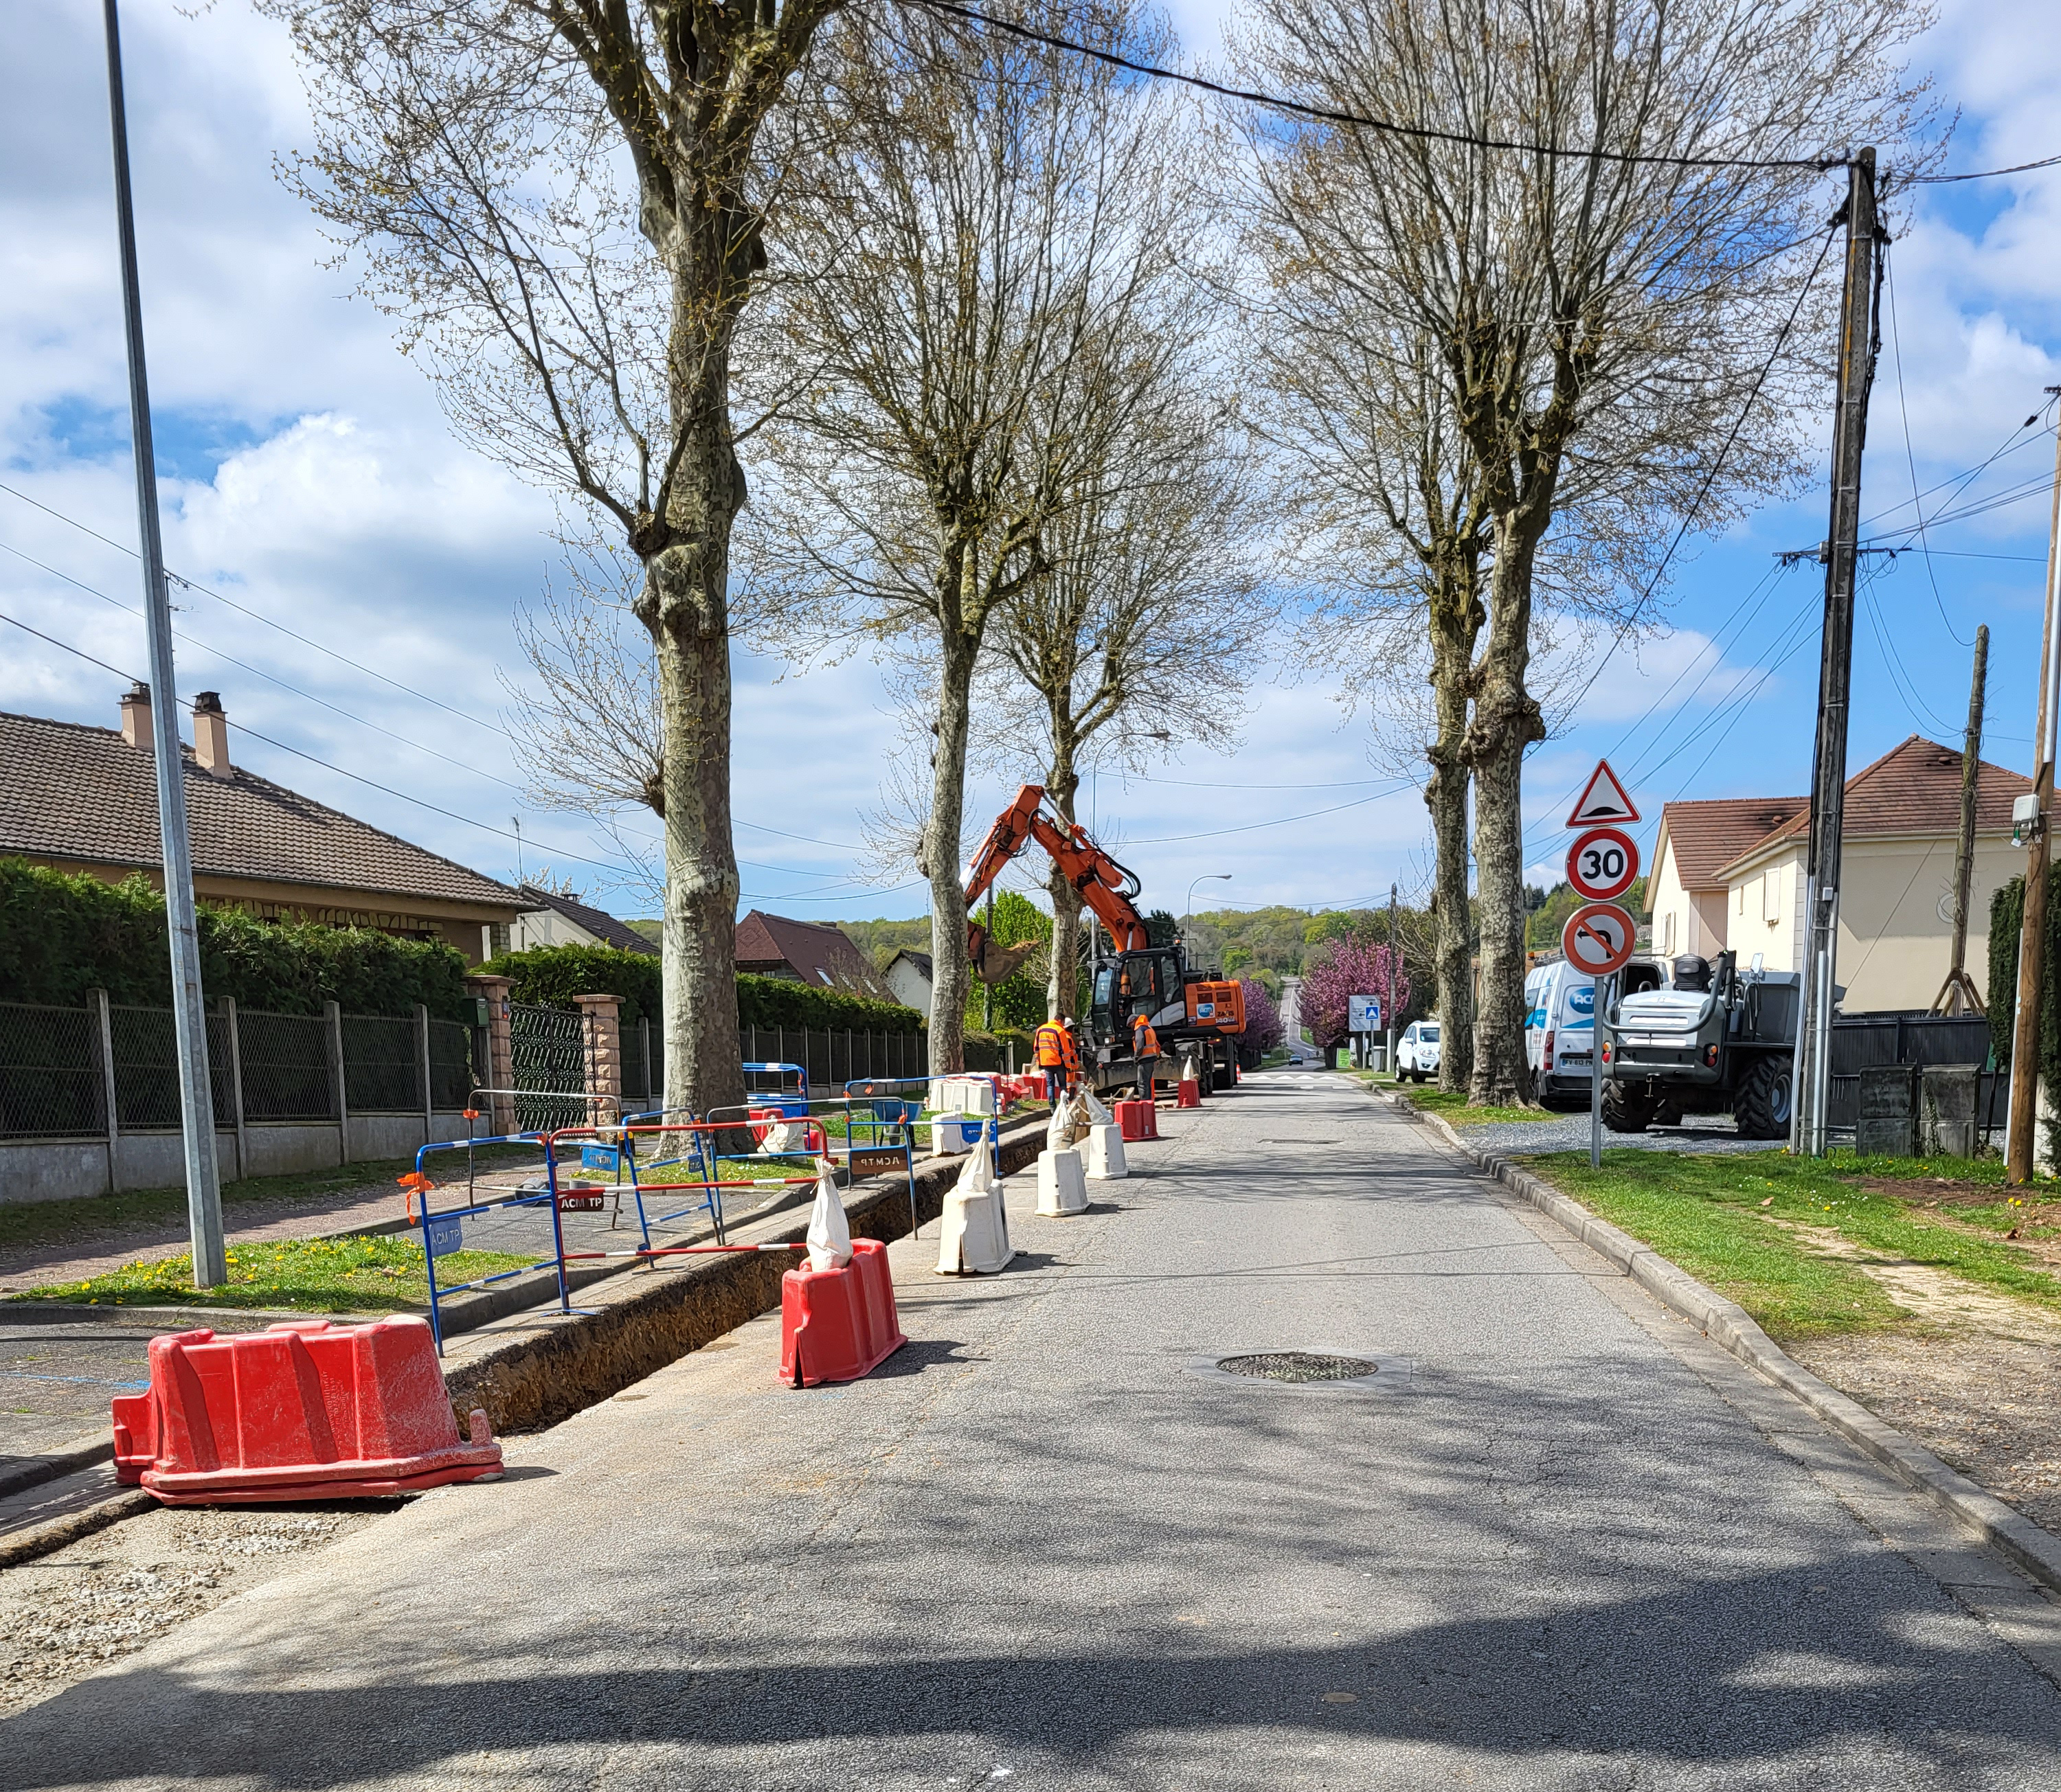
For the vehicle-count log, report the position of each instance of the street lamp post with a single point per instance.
(1207, 877)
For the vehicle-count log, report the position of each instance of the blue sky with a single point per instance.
(309, 478)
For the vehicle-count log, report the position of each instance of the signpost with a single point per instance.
(1602, 864)
(1363, 1016)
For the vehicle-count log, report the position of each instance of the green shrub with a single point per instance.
(552, 975)
(2006, 916)
(63, 935)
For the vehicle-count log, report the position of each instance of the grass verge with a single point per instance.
(1744, 1224)
(1450, 1103)
(316, 1275)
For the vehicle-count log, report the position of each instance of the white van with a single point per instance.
(1559, 1033)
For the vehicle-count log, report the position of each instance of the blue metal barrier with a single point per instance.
(443, 1230)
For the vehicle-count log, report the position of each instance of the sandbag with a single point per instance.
(1098, 1114)
(829, 1233)
(783, 1139)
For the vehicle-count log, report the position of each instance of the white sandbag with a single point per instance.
(1106, 1162)
(1058, 1133)
(830, 1234)
(1063, 1188)
(785, 1138)
(974, 1238)
(1098, 1114)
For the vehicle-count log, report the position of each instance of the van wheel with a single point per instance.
(1763, 1106)
(1627, 1109)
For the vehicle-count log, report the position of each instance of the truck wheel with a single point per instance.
(1627, 1109)
(1762, 1107)
(1668, 1114)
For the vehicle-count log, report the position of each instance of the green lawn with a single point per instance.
(316, 1275)
(1711, 1215)
(1450, 1103)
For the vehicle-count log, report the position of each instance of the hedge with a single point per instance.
(63, 935)
(2006, 916)
(552, 975)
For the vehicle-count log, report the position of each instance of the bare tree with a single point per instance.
(991, 222)
(1599, 215)
(563, 202)
(1145, 627)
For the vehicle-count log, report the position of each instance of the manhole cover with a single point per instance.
(1297, 1365)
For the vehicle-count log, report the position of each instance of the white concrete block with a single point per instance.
(1062, 1187)
(1106, 1162)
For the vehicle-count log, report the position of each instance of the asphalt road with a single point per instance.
(1563, 1543)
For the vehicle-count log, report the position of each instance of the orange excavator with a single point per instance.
(1194, 1015)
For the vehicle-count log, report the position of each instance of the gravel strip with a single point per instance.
(1570, 1132)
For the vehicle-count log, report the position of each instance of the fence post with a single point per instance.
(644, 1033)
(236, 1083)
(499, 1068)
(338, 1094)
(423, 1065)
(105, 1029)
(601, 1039)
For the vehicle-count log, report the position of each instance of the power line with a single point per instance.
(1281, 821)
(77, 653)
(1331, 115)
(1980, 173)
(1910, 453)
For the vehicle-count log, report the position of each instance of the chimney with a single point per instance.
(211, 735)
(136, 716)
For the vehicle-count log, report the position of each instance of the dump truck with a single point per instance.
(1720, 1041)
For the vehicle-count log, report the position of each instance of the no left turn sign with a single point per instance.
(1602, 863)
(1597, 939)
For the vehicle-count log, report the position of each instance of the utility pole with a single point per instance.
(986, 988)
(1394, 947)
(210, 1261)
(1958, 993)
(2032, 930)
(1811, 1082)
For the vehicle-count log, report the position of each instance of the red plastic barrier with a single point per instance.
(302, 1410)
(838, 1325)
(1138, 1120)
(1189, 1093)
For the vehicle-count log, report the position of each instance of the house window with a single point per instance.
(826, 976)
(1770, 898)
(1738, 898)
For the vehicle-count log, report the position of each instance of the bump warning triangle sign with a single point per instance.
(1602, 799)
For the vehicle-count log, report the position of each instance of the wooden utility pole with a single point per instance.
(2032, 930)
(1811, 1085)
(1394, 951)
(1958, 993)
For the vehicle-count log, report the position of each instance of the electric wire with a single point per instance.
(1388, 126)
(1910, 453)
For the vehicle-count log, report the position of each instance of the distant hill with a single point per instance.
(881, 940)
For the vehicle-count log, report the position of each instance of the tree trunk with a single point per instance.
(684, 605)
(951, 977)
(1455, 622)
(1063, 783)
(1506, 721)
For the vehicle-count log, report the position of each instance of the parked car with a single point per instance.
(1417, 1052)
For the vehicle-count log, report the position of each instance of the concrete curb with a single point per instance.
(46, 1539)
(2035, 1550)
(39, 1468)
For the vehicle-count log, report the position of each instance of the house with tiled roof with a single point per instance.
(554, 918)
(808, 952)
(81, 798)
(1730, 874)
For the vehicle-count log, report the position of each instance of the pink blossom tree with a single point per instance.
(1351, 967)
(1263, 1030)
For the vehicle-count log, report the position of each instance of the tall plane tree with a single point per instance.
(986, 227)
(1599, 213)
(563, 202)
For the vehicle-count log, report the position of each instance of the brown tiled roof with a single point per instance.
(599, 923)
(1914, 788)
(1708, 836)
(83, 794)
(820, 955)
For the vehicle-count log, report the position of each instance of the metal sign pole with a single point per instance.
(1598, 989)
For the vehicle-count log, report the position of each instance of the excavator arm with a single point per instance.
(1106, 887)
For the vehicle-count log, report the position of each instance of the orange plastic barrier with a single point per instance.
(838, 1325)
(1138, 1120)
(1189, 1093)
(302, 1410)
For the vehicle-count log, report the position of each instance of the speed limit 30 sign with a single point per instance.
(1602, 863)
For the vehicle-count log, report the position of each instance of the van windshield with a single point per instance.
(1428, 1033)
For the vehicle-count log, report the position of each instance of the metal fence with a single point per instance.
(1859, 1041)
(57, 1065)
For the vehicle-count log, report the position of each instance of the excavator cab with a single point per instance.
(1148, 982)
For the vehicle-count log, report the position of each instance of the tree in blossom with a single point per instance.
(1263, 1030)
(1351, 967)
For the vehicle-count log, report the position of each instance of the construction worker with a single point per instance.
(1145, 1048)
(1070, 1042)
(1051, 1049)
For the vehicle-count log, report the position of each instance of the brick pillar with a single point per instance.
(499, 1071)
(601, 1034)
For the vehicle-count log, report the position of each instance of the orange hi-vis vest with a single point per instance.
(1144, 1041)
(1051, 1045)
(1070, 1048)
